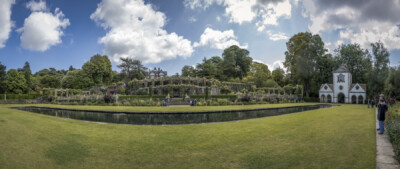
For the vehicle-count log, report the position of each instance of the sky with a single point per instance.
(172, 33)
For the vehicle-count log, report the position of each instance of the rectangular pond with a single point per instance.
(170, 118)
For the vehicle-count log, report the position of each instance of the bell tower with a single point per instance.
(342, 81)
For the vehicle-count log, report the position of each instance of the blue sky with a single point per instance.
(171, 34)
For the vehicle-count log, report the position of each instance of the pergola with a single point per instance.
(62, 92)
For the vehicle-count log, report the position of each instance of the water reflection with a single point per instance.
(167, 118)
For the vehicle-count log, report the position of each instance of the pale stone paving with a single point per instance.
(385, 156)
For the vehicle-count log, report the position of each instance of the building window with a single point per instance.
(341, 87)
(340, 78)
(326, 87)
(357, 87)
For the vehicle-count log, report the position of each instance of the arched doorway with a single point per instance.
(329, 98)
(340, 98)
(322, 100)
(360, 99)
(354, 99)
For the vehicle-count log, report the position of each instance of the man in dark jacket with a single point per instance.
(382, 108)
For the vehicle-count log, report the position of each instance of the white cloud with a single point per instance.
(264, 12)
(275, 65)
(36, 6)
(42, 29)
(240, 11)
(372, 32)
(271, 12)
(218, 39)
(358, 21)
(5, 21)
(203, 4)
(277, 36)
(135, 30)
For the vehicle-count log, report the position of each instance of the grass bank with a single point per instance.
(338, 137)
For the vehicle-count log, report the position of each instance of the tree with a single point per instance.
(236, 62)
(326, 64)
(278, 75)
(71, 68)
(392, 83)
(258, 74)
(28, 74)
(303, 52)
(380, 71)
(51, 71)
(209, 68)
(356, 59)
(50, 81)
(99, 69)
(3, 75)
(77, 79)
(271, 83)
(188, 71)
(16, 82)
(132, 69)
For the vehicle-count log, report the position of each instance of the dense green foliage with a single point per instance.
(132, 69)
(28, 74)
(15, 82)
(50, 81)
(357, 60)
(98, 68)
(304, 50)
(278, 76)
(236, 62)
(258, 74)
(3, 76)
(380, 71)
(77, 79)
(393, 82)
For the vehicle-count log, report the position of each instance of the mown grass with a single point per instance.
(338, 137)
(166, 109)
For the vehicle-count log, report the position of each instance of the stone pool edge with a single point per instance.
(195, 112)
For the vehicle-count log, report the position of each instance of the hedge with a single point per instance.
(311, 99)
(20, 96)
(141, 97)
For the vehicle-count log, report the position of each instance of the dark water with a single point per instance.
(167, 118)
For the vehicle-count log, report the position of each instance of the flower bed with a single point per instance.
(393, 127)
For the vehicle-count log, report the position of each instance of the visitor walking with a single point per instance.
(382, 108)
(369, 102)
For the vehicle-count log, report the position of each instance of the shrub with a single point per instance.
(223, 102)
(108, 98)
(245, 98)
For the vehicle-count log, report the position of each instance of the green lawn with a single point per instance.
(338, 137)
(167, 109)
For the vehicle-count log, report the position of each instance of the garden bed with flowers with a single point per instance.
(393, 127)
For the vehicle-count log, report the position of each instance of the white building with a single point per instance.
(343, 90)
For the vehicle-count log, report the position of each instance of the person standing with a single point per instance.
(382, 108)
(373, 103)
